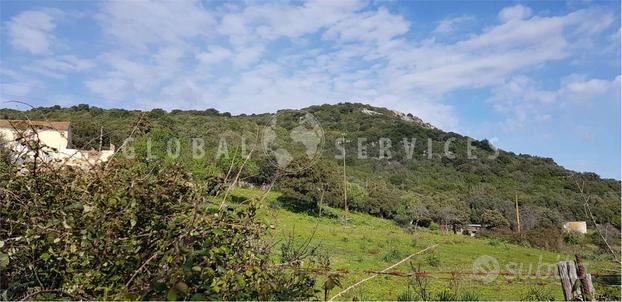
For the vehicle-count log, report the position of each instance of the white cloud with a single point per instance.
(215, 54)
(525, 101)
(112, 89)
(130, 77)
(248, 55)
(579, 88)
(257, 22)
(486, 59)
(32, 31)
(517, 12)
(141, 22)
(15, 89)
(520, 91)
(16, 85)
(375, 26)
(450, 25)
(59, 66)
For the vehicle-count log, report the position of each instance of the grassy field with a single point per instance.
(370, 243)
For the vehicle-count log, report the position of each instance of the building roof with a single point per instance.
(23, 124)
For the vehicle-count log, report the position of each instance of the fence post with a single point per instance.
(563, 268)
(576, 282)
(586, 280)
(572, 272)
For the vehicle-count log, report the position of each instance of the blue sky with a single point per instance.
(534, 77)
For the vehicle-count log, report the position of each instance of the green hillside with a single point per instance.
(369, 243)
(454, 189)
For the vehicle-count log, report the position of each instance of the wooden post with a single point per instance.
(586, 280)
(588, 277)
(517, 215)
(572, 272)
(101, 138)
(345, 179)
(564, 268)
(576, 282)
(321, 202)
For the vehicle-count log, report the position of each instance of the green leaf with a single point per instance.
(45, 256)
(4, 260)
(75, 205)
(171, 295)
(182, 287)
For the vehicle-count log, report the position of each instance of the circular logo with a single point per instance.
(486, 268)
(292, 135)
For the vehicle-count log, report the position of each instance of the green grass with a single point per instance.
(370, 243)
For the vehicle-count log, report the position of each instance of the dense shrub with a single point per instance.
(573, 238)
(426, 223)
(133, 231)
(548, 238)
(551, 238)
(493, 219)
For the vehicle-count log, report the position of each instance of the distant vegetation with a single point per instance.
(155, 226)
(450, 189)
(421, 190)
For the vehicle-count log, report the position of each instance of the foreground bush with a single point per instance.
(132, 231)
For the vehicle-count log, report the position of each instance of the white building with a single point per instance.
(575, 227)
(56, 138)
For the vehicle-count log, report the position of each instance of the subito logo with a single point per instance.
(486, 268)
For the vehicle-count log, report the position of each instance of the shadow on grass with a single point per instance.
(301, 207)
(297, 205)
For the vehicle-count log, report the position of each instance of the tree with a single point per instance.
(453, 217)
(530, 217)
(493, 219)
(418, 212)
(313, 181)
(413, 211)
(357, 196)
(382, 200)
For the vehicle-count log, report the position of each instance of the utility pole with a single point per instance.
(517, 214)
(101, 138)
(321, 202)
(345, 180)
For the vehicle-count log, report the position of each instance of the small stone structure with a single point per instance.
(472, 229)
(469, 230)
(575, 227)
